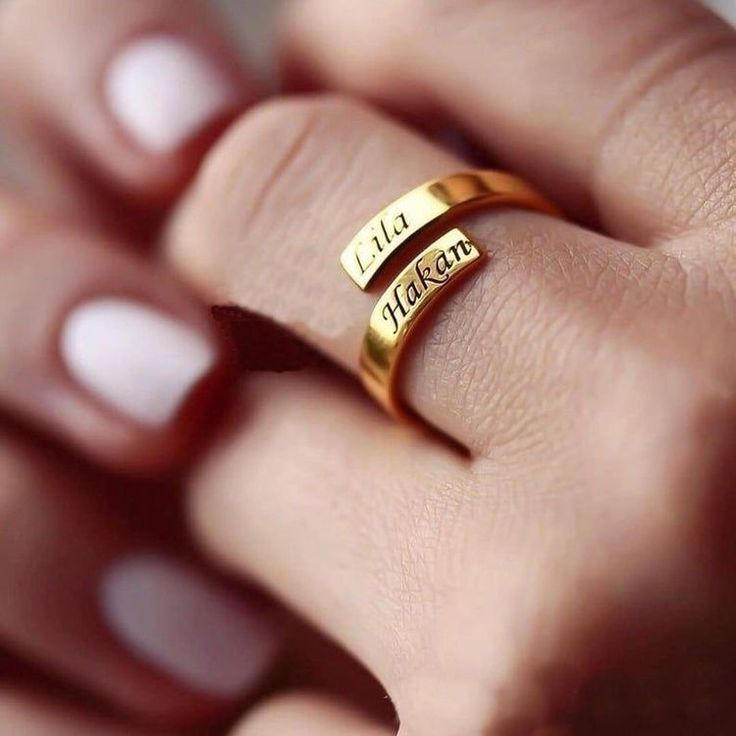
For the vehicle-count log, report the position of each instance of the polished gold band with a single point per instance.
(402, 306)
(429, 205)
(430, 273)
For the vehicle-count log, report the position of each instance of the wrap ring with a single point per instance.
(402, 229)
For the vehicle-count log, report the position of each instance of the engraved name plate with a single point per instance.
(402, 304)
(426, 206)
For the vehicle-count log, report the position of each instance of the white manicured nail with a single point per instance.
(176, 620)
(134, 358)
(163, 91)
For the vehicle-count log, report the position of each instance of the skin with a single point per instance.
(80, 484)
(575, 569)
(571, 573)
(67, 194)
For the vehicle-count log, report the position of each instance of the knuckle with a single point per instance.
(275, 147)
(275, 161)
(284, 126)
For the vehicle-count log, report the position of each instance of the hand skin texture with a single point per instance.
(571, 573)
(574, 571)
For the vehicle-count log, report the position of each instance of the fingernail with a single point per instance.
(163, 91)
(134, 358)
(172, 617)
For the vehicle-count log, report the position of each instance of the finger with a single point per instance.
(128, 94)
(110, 355)
(289, 187)
(381, 536)
(84, 598)
(23, 714)
(625, 108)
(297, 714)
(248, 505)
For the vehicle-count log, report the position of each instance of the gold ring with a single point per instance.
(427, 206)
(430, 273)
(402, 305)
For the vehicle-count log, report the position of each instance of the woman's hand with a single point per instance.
(110, 119)
(103, 353)
(576, 568)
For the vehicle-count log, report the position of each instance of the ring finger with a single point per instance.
(310, 172)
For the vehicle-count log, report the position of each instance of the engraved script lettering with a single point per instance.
(430, 271)
(382, 235)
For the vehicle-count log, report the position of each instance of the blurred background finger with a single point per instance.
(120, 98)
(85, 598)
(98, 348)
